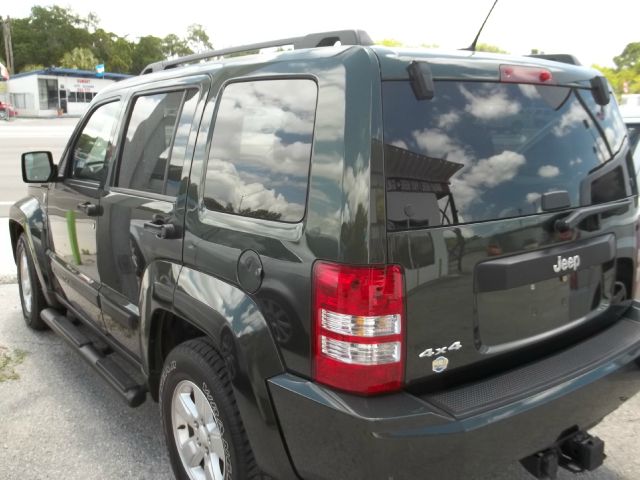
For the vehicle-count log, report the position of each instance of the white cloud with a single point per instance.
(223, 182)
(495, 170)
(448, 120)
(548, 171)
(435, 143)
(571, 119)
(493, 104)
(529, 91)
(487, 173)
(400, 144)
(533, 197)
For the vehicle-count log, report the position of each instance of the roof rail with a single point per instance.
(557, 57)
(312, 40)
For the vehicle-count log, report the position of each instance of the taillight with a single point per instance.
(522, 74)
(358, 327)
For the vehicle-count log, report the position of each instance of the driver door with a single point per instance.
(73, 207)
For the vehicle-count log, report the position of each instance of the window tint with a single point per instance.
(147, 145)
(261, 148)
(94, 146)
(483, 151)
(634, 134)
(179, 150)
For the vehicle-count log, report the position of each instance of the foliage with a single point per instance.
(79, 58)
(390, 42)
(627, 70)
(8, 361)
(486, 47)
(30, 67)
(55, 35)
(197, 39)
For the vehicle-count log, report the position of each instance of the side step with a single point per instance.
(133, 393)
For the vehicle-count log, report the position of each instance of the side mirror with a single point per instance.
(37, 167)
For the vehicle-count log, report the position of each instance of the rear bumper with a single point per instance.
(466, 431)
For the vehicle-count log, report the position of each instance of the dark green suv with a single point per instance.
(341, 262)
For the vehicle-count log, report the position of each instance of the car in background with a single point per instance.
(7, 111)
(630, 100)
(631, 119)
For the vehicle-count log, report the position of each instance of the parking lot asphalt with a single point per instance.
(60, 421)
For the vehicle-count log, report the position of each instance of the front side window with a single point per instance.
(94, 147)
(261, 148)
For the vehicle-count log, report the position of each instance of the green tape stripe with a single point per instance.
(73, 236)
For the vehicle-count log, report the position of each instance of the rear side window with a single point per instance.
(261, 148)
(94, 146)
(483, 151)
(154, 148)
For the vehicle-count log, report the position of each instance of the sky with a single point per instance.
(594, 32)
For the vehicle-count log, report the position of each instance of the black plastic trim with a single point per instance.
(618, 340)
(531, 267)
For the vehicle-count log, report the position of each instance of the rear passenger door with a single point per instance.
(143, 209)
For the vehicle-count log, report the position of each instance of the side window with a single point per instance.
(94, 146)
(153, 153)
(261, 148)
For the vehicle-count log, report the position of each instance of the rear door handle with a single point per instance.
(90, 209)
(161, 229)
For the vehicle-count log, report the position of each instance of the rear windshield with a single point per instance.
(483, 151)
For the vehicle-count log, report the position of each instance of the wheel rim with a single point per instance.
(197, 433)
(25, 282)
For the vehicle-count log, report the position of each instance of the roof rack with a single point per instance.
(557, 57)
(312, 40)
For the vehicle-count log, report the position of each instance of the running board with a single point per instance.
(133, 393)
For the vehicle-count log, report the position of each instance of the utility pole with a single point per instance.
(8, 47)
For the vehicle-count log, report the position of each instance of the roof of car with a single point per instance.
(449, 64)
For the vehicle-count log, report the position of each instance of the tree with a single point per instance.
(46, 35)
(174, 46)
(197, 39)
(79, 58)
(629, 58)
(31, 67)
(146, 51)
(486, 47)
(390, 42)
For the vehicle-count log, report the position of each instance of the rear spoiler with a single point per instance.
(557, 57)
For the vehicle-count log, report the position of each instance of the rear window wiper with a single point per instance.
(573, 219)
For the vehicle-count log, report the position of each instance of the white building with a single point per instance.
(46, 93)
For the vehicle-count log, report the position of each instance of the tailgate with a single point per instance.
(490, 279)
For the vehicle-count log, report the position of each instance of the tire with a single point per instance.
(31, 297)
(195, 386)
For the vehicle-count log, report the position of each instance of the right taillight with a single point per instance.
(358, 327)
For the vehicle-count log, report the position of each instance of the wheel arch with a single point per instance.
(202, 305)
(28, 217)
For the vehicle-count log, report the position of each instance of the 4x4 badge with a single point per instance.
(430, 352)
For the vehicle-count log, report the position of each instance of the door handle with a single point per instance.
(161, 229)
(90, 209)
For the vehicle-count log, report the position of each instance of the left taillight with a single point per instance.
(358, 327)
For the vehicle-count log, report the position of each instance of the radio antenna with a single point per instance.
(472, 47)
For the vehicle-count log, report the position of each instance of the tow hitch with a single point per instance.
(577, 453)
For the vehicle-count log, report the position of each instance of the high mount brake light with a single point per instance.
(359, 327)
(523, 74)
